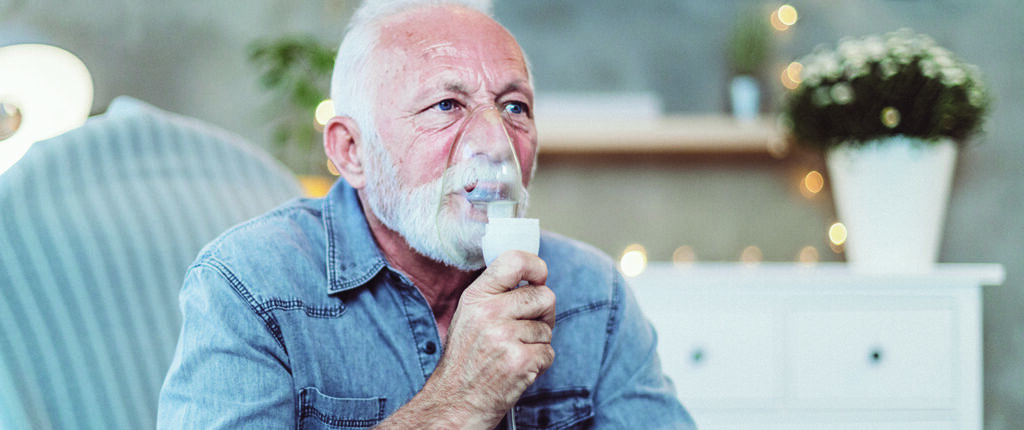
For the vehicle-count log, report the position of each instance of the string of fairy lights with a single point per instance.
(633, 259)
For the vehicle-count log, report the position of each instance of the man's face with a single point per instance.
(432, 68)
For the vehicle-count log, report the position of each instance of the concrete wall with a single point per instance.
(189, 56)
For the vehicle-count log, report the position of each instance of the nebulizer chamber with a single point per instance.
(483, 160)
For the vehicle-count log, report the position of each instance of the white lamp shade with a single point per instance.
(50, 87)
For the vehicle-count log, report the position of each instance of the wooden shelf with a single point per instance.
(697, 134)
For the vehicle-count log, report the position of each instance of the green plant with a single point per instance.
(901, 83)
(749, 42)
(296, 70)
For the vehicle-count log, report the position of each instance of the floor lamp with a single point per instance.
(44, 91)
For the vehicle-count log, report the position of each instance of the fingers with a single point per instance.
(531, 302)
(505, 272)
(530, 332)
(536, 359)
(495, 295)
(524, 362)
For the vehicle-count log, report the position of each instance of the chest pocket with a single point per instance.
(320, 411)
(554, 410)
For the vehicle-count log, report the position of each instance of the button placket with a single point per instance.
(423, 327)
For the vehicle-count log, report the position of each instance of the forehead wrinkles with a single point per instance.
(443, 46)
(439, 49)
(447, 64)
(447, 31)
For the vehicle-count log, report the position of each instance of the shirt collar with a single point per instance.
(352, 255)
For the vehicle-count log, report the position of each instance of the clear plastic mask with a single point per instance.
(483, 176)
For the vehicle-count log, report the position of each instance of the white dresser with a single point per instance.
(788, 346)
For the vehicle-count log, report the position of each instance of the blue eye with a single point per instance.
(515, 108)
(445, 105)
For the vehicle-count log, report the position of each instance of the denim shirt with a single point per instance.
(294, 319)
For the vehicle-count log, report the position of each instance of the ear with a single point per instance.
(343, 146)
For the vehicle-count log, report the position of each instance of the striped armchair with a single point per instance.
(97, 228)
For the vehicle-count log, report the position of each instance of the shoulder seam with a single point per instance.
(257, 308)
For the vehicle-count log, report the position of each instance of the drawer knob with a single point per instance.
(875, 357)
(697, 356)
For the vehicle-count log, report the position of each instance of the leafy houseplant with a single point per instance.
(897, 84)
(296, 70)
(747, 52)
(889, 112)
(749, 43)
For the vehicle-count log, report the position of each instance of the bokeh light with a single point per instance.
(684, 256)
(324, 112)
(788, 83)
(633, 261)
(812, 184)
(808, 255)
(751, 255)
(787, 15)
(837, 234)
(794, 71)
(784, 17)
(890, 117)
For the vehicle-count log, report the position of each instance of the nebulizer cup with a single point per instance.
(484, 169)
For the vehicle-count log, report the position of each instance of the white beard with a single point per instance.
(435, 230)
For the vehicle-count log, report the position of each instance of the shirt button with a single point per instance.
(430, 348)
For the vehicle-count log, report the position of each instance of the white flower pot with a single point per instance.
(745, 97)
(892, 194)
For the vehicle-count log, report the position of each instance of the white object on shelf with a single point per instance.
(745, 97)
(892, 195)
(679, 134)
(599, 106)
(789, 346)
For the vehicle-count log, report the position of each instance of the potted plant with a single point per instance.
(296, 70)
(890, 113)
(748, 49)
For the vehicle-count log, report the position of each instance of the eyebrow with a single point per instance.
(456, 87)
(461, 89)
(514, 87)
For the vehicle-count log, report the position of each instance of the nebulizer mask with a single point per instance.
(484, 170)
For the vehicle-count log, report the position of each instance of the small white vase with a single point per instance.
(745, 96)
(892, 194)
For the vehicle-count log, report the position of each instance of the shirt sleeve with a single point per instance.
(229, 369)
(633, 388)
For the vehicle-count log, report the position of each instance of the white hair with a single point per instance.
(350, 90)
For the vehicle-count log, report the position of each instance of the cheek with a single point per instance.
(420, 155)
(426, 158)
(526, 149)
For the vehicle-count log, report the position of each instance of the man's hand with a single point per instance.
(499, 342)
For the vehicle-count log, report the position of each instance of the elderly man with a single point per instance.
(348, 312)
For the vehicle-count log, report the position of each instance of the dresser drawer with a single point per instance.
(739, 424)
(873, 359)
(725, 357)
